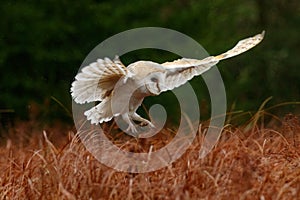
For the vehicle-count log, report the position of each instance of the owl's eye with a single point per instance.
(153, 79)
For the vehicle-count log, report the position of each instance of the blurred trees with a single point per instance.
(42, 45)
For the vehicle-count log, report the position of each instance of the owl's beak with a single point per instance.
(162, 88)
(153, 89)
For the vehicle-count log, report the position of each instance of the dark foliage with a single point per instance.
(43, 45)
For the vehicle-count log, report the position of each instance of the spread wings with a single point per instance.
(182, 70)
(97, 80)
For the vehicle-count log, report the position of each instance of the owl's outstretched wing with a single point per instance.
(97, 80)
(182, 70)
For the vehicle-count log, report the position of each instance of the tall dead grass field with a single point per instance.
(248, 162)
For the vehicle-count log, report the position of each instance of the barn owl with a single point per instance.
(105, 80)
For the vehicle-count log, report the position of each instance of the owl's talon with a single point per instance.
(143, 124)
(132, 129)
(147, 123)
(151, 125)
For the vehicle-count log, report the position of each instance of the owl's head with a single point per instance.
(154, 82)
(150, 75)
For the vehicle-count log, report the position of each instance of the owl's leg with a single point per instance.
(131, 126)
(136, 117)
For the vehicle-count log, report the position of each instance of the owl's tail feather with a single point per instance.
(100, 113)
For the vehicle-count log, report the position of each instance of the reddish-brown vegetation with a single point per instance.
(247, 163)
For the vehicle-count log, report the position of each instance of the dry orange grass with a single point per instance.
(247, 163)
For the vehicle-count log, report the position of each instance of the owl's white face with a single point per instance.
(154, 82)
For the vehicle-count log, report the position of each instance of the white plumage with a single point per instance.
(111, 83)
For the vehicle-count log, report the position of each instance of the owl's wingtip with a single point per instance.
(261, 35)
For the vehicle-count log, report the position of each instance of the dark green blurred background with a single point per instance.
(42, 46)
